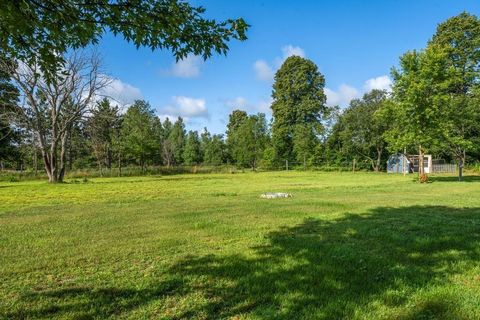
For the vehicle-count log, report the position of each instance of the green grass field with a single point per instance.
(346, 246)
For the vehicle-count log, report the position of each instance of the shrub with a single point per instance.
(423, 178)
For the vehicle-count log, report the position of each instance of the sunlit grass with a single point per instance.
(346, 246)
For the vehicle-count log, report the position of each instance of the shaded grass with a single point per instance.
(363, 246)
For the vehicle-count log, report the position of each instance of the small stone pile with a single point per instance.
(275, 195)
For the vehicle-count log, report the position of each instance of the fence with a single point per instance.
(439, 166)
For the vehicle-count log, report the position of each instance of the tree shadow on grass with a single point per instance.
(319, 269)
(468, 178)
(81, 302)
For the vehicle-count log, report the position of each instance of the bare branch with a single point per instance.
(51, 108)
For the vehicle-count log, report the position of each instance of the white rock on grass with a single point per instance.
(275, 195)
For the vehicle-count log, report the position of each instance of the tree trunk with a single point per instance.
(100, 167)
(109, 158)
(63, 153)
(119, 165)
(35, 160)
(460, 168)
(48, 168)
(379, 160)
(461, 163)
(372, 163)
(48, 155)
(421, 170)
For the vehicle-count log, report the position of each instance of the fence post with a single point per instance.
(354, 165)
(286, 164)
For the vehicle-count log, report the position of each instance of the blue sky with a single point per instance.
(354, 44)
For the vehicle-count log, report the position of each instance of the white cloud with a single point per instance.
(345, 93)
(187, 68)
(121, 93)
(348, 93)
(333, 98)
(290, 50)
(265, 106)
(380, 83)
(185, 107)
(242, 103)
(342, 96)
(237, 103)
(265, 71)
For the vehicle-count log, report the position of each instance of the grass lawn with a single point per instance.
(346, 246)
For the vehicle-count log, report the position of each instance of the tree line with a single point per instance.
(433, 106)
(48, 84)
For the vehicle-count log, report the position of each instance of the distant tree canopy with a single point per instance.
(192, 153)
(42, 31)
(248, 139)
(138, 133)
(360, 129)
(176, 140)
(235, 120)
(298, 100)
(102, 127)
(432, 106)
(213, 148)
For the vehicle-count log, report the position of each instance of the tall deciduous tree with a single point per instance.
(420, 101)
(459, 36)
(40, 32)
(52, 107)
(304, 142)
(298, 99)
